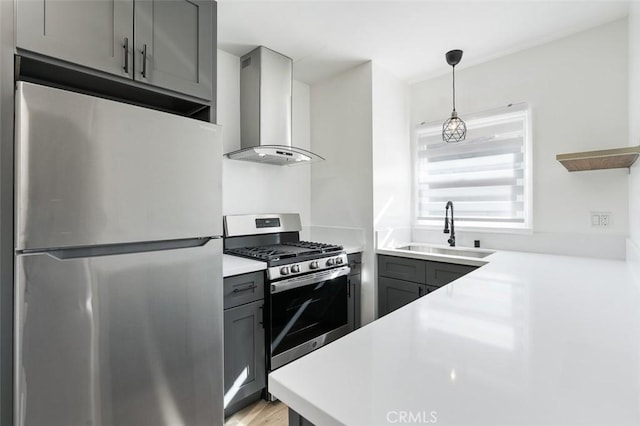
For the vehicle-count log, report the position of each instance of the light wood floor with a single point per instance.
(260, 413)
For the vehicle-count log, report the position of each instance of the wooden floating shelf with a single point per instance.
(596, 160)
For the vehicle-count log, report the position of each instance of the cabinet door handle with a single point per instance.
(125, 46)
(240, 290)
(144, 61)
(420, 291)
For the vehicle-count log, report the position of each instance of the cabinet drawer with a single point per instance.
(439, 274)
(241, 289)
(355, 263)
(402, 268)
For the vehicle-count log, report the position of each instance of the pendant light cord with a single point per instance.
(454, 88)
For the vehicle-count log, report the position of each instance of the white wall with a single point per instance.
(261, 188)
(633, 253)
(391, 152)
(341, 186)
(577, 88)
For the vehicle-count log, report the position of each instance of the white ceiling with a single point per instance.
(408, 38)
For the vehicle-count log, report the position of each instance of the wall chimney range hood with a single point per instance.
(266, 79)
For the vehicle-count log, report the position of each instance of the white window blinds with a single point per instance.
(487, 176)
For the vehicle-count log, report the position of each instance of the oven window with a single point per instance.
(304, 313)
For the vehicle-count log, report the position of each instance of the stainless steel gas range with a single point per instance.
(307, 284)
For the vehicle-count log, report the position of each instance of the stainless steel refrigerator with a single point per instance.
(118, 264)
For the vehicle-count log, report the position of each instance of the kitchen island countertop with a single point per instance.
(528, 339)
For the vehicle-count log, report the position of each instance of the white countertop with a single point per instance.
(527, 339)
(351, 239)
(235, 265)
(351, 249)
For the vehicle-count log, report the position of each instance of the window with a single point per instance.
(487, 176)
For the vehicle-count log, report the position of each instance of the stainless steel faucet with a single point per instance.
(452, 239)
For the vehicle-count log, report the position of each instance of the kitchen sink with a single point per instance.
(446, 251)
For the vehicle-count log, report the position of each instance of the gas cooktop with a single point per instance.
(280, 254)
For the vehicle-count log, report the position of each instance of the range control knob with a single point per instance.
(330, 262)
(338, 261)
(295, 269)
(313, 265)
(284, 270)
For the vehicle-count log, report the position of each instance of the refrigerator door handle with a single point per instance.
(125, 248)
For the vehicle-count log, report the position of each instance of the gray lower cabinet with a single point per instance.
(402, 268)
(355, 284)
(168, 44)
(296, 419)
(402, 280)
(244, 341)
(439, 273)
(393, 294)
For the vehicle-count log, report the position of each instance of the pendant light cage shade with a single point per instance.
(454, 129)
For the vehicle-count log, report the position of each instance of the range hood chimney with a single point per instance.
(266, 79)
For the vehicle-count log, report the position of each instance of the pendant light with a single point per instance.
(454, 129)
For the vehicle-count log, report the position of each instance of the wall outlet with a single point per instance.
(600, 219)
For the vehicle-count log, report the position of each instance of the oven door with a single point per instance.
(307, 312)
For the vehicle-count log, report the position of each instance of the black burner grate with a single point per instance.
(287, 250)
(262, 253)
(324, 247)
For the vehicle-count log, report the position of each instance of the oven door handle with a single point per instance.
(303, 280)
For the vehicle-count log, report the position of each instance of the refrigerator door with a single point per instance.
(127, 340)
(91, 171)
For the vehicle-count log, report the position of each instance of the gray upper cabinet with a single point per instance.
(90, 33)
(174, 45)
(164, 43)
